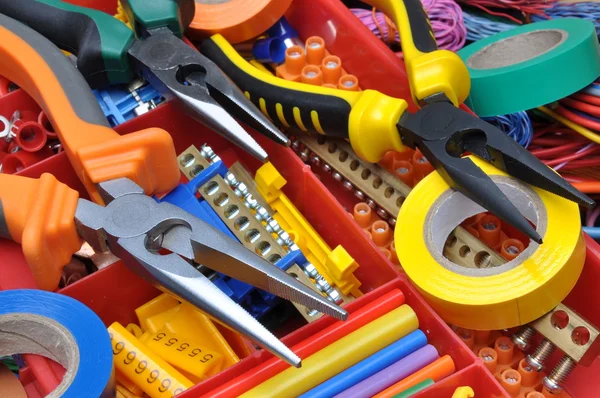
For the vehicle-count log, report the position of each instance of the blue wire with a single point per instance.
(593, 232)
(516, 125)
(589, 11)
(479, 27)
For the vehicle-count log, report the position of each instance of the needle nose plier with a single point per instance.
(375, 123)
(108, 53)
(50, 220)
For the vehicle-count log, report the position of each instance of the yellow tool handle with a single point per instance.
(430, 71)
(368, 118)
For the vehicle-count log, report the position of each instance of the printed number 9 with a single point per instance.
(118, 348)
(153, 376)
(164, 386)
(129, 358)
(141, 367)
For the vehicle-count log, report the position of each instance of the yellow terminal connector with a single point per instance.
(186, 355)
(336, 266)
(185, 321)
(146, 369)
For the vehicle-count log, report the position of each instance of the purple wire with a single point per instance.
(446, 20)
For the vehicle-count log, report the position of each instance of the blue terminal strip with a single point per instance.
(257, 302)
(121, 103)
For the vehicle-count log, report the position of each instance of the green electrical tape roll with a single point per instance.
(532, 65)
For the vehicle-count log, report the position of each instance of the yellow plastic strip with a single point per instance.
(298, 119)
(263, 108)
(339, 356)
(280, 115)
(314, 116)
(589, 134)
(147, 370)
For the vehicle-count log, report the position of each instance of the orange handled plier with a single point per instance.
(50, 220)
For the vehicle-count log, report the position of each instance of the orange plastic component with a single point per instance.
(363, 215)
(39, 214)
(467, 336)
(295, 59)
(510, 380)
(96, 152)
(422, 165)
(238, 20)
(332, 69)
(315, 50)
(489, 357)
(312, 74)
(128, 384)
(381, 233)
(348, 83)
(511, 248)
(442, 367)
(394, 258)
(405, 171)
(490, 228)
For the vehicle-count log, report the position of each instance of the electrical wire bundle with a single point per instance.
(583, 108)
(515, 125)
(446, 20)
(589, 11)
(480, 26)
(533, 7)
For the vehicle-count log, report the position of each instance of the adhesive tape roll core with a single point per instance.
(531, 65)
(64, 330)
(236, 20)
(506, 296)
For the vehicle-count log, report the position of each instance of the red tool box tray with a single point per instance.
(113, 293)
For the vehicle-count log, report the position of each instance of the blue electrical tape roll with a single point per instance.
(369, 366)
(64, 330)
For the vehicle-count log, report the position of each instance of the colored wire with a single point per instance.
(593, 232)
(576, 127)
(581, 119)
(516, 125)
(536, 7)
(588, 187)
(592, 216)
(587, 10)
(479, 26)
(445, 16)
(589, 99)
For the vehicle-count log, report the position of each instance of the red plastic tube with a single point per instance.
(593, 110)
(320, 340)
(20, 160)
(43, 120)
(31, 136)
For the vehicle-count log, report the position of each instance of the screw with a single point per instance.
(370, 203)
(392, 222)
(359, 194)
(382, 213)
(523, 337)
(315, 160)
(336, 297)
(231, 180)
(541, 354)
(326, 168)
(559, 374)
(295, 146)
(337, 176)
(347, 185)
(311, 270)
(304, 154)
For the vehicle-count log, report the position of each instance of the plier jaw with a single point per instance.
(444, 133)
(182, 73)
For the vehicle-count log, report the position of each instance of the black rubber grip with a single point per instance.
(99, 41)
(333, 112)
(80, 96)
(421, 30)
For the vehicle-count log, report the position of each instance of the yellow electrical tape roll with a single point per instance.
(489, 298)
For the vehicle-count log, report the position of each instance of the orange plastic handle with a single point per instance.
(96, 152)
(39, 214)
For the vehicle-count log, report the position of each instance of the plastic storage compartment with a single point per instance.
(113, 293)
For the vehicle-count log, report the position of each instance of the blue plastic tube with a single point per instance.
(369, 366)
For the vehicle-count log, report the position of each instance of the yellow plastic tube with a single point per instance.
(339, 356)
